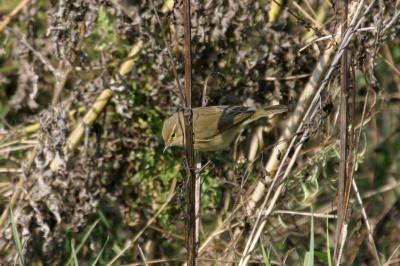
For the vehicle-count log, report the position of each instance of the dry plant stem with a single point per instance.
(191, 244)
(198, 196)
(330, 37)
(26, 43)
(392, 21)
(309, 17)
(387, 209)
(275, 10)
(354, 185)
(167, 233)
(343, 181)
(10, 170)
(220, 229)
(7, 19)
(320, 19)
(310, 8)
(198, 176)
(315, 215)
(390, 259)
(194, 182)
(18, 190)
(392, 65)
(171, 195)
(22, 133)
(17, 148)
(366, 221)
(255, 143)
(301, 76)
(142, 255)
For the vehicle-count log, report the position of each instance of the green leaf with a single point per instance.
(16, 237)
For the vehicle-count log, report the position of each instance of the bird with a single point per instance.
(215, 127)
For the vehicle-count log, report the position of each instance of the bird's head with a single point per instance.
(172, 131)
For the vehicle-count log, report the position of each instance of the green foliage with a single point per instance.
(105, 30)
(210, 191)
(265, 256)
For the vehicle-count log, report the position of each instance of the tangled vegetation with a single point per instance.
(85, 86)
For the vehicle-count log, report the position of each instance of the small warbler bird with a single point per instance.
(214, 127)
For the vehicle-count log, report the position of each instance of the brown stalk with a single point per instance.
(343, 182)
(191, 173)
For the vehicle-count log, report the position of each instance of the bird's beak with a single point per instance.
(165, 148)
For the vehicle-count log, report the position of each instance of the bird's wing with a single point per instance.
(218, 119)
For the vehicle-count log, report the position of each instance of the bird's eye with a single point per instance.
(173, 135)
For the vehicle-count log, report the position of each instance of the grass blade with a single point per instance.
(309, 257)
(74, 254)
(265, 256)
(101, 252)
(84, 239)
(16, 237)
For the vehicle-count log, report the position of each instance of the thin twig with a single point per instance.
(315, 215)
(25, 42)
(390, 259)
(7, 19)
(366, 221)
(330, 37)
(142, 255)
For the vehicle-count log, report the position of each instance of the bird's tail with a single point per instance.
(271, 110)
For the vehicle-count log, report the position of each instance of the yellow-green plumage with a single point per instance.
(215, 127)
